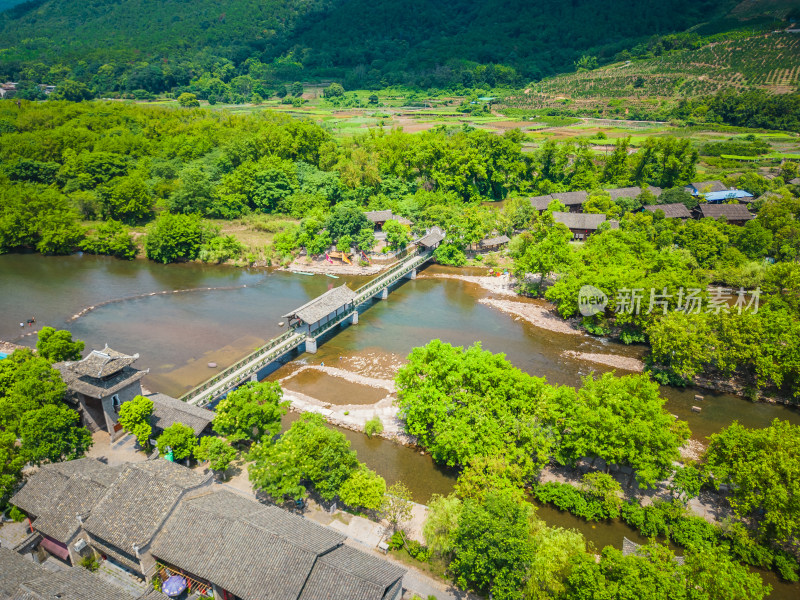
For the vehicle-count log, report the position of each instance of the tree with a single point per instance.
(346, 218)
(622, 420)
(365, 240)
(111, 238)
(193, 194)
(126, 199)
(334, 90)
(297, 89)
(520, 212)
(187, 100)
(175, 237)
(11, 463)
(27, 383)
(251, 412)
(763, 469)
(53, 434)
(134, 417)
(180, 439)
(492, 547)
(57, 346)
(364, 488)
(72, 91)
(540, 252)
(216, 451)
(308, 455)
(397, 505)
(441, 523)
(397, 235)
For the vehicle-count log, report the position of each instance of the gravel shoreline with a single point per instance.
(626, 363)
(535, 314)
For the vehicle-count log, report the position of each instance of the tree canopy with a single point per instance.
(251, 412)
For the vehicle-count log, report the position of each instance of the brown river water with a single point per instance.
(181, 317)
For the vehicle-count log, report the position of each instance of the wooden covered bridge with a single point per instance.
(309, 322)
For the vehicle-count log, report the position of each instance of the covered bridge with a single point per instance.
(432, 239)
(322, 309)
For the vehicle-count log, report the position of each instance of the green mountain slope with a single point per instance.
(768, 61)
(369, 42)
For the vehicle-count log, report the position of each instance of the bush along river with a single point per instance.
(180, 318)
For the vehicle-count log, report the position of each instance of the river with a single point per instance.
(218, 314)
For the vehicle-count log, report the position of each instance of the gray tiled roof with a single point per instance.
(136, 505)
(43, 489)
(378, 215)
(495, 241)
(349, 574)
(14, 570)
(433, 237)
(795, 181)
(321, 306)
(223, 538)
(541, 202)
(94, 387)
(153, 595)
(70, 584)
(168, 410)
(60, 520)
(632, 192)
(579, 220)
(102, 363)
(704, 187)
(677, 210)
(732, 212)
(571, 198)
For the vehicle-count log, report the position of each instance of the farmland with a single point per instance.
(632, 89)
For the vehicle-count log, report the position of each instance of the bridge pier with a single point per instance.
(412, 274)
(354, 320)
(383, 294)
(311, 345)
(254, 377)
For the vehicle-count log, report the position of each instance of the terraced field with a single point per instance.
(770, 61)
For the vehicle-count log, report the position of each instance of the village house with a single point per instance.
(168, 411)
(57, 497)
(8, 90)
(99, 384)
(705, 187)
(540, 203)
(379, 218)
(262, 551)
(158, 519)
(431, 239)
(23, 579)
(735, 214)
(677, 210)
(633, 192)
(582, 225)
(574, 201)
(493, 243)
(742, 196)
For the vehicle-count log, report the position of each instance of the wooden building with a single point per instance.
(582, 225)
(735, 214)
(322, 309)
(677, 210)
(99, 384)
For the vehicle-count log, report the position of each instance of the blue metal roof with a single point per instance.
(727, 195)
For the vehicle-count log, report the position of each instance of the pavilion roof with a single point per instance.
(323, 305)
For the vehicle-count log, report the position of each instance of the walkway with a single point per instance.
(249, 366)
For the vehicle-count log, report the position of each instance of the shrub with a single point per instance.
(373, 426)
(16, 515)
(90, 563)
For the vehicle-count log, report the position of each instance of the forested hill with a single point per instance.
(364, 42)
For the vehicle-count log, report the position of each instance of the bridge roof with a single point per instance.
(321, 306)
(432, 238)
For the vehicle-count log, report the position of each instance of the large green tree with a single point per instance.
(134, 417)
(762, 467)
(309, 455)
(57, 346)
(53, 434)
(251, 412)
